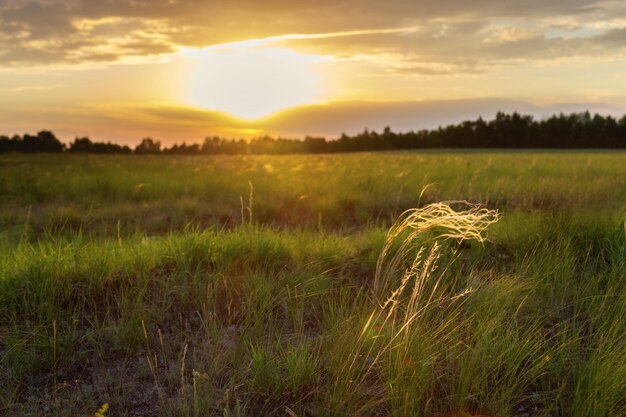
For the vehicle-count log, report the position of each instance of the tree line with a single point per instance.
(576, 130)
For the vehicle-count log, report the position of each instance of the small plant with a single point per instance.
(263, 369)
(239, 410)
(102, 411)
(300, 367)
(249, 209)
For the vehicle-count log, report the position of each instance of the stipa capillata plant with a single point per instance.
(409, 281)
(433, 223)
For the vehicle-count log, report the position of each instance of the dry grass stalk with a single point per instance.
(413, 225)
(423, 277)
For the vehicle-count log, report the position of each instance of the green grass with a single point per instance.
(163, 286)
(111, 195)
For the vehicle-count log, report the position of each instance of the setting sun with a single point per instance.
(250, 81)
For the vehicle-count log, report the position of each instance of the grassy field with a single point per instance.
(248, 286)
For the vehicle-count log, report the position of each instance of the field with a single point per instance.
(248, 285)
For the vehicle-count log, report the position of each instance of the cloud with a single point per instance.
(613, 38)
(353, 117)
(44, 32)
(439, 47)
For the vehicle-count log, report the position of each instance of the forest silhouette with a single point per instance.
(573, 131)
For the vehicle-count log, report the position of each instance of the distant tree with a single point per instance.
(148, 146)
(315, 145)
(85, 145)
(575, 130)
(44, 141)
(109, 147)
(212, 145)
(9, 144)
(81, 145)
(183, 149)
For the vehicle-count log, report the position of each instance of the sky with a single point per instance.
(181, 70)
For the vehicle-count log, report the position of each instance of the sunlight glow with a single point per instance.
(251, 81)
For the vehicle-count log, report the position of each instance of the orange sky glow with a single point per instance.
(121, 70)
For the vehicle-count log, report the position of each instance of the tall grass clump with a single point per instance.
(419, 226)
(393, 351)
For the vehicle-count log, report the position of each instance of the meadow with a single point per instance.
(269, 285)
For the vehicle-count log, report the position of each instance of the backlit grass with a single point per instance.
(279, 311)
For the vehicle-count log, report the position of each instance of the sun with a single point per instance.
(250, 81)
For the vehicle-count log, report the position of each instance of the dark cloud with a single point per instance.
(349, 117)
(40, 20)
(352, 117)
(615, 38)
(175, 124)
(55, 31)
